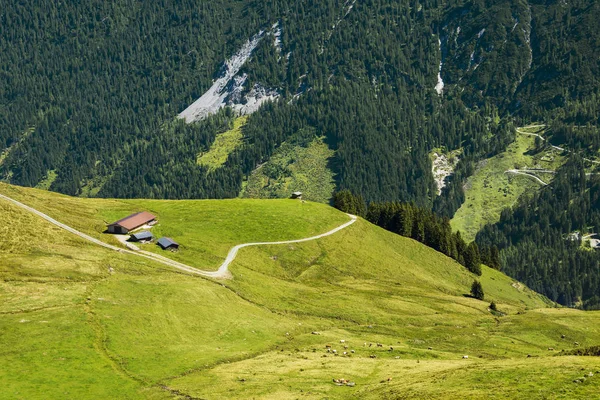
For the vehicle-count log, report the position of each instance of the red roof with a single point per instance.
(135, 220)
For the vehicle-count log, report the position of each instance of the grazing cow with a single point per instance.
(465, 357)
(379, 345)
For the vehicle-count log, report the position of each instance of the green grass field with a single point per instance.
(294, 168)
(80, 321)
(224, 144)
(490, 189)
(205, 229)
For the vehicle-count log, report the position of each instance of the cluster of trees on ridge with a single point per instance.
(420, 224)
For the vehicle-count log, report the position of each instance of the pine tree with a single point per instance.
(477, 290)
(346, 201)
(495, 258)
(472, 259)
(342, 200)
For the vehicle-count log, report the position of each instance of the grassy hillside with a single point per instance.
(225, 143)
(80, 321)
(491, 189)
(52, 345)
(294, 167)
(206, 229)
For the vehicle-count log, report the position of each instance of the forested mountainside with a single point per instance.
(545, 240)
(89, 91)
(90, 94)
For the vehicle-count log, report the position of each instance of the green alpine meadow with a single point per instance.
(292, 199)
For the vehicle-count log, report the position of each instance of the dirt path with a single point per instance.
(530, 172)
(221, 273)
(519, 130)
(520, 172)
(223, 269)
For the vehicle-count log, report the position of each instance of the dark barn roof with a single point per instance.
(166, 242)
(135, 220)
(143, 235)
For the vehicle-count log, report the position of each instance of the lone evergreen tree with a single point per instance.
(493, 306)
(477, 290)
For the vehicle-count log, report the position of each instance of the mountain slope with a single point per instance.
(154, 61)
(541, 237)
(361, 73)
(168, 334)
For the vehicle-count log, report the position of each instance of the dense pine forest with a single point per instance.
(90, 92)
(540, 240)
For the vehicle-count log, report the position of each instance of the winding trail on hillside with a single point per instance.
(223, 271)
(520, 130)
(524, 173)
(530, 172)
(224, 268)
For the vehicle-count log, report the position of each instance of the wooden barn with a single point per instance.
(167, 243)
(127, 224)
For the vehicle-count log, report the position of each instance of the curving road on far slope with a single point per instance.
(223, 271)
(520, 130)
(525, 173)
